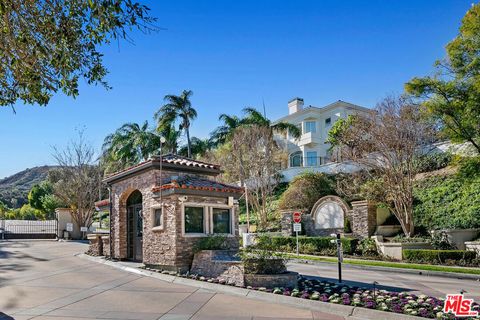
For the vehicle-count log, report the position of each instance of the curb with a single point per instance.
(313, 305)
(428, 273)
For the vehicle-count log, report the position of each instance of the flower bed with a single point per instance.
(396, 302)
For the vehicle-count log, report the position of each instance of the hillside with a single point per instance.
(14, 189)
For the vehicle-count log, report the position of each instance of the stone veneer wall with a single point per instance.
(363, 218)
(219, 264)
(166, 248)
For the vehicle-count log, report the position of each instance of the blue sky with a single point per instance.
(234, 54)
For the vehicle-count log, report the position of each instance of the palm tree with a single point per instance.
(198, 148)
(224, 132)
(171, 138)
(178, 108)
(253, 116)
(128, 145)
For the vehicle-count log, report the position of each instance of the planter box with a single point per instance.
(458, 236)
(394, 250)
(388, 231)
(473, 246)
(284, 280)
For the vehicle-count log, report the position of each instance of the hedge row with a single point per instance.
(309, 245)
(438, 256)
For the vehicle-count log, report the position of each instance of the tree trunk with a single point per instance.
(189, 147)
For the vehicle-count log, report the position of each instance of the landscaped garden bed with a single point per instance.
(342, 294)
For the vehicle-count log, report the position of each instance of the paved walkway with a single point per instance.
(44, 280)
(392, 281)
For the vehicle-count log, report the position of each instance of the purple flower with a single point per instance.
(370, 304)
(305, 295)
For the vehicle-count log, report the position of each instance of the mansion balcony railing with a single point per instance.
(300, 161)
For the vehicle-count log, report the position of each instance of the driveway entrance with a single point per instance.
(45, 280)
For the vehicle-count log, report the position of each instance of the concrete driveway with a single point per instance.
(44, 280)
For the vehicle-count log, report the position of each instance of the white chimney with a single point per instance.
(294, 105)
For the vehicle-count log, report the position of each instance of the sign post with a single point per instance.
(297, 226)
(339, 255)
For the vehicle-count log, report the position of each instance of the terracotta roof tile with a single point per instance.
(170, 159)
(196, 183)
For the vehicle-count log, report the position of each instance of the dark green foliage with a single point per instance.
(310, 245)
(215, 242)
(306, 189)
(440, 241)
(449, 201)
(367, 247)
(263, 258)
(51, 46)
(450, 97)
(460, 257)
(432, 161)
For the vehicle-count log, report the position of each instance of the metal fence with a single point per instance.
(28, 229)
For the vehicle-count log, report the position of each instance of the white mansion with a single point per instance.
(310, 151)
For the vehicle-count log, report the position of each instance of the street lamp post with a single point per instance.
(162, 141)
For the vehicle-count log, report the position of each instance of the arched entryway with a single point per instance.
(134, 226)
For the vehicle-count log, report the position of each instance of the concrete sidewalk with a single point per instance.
(44, 280)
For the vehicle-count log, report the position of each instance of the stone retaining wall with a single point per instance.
(225, 265)
(95, 247)
(220, 264)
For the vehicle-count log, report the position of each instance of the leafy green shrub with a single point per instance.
(460, 257)
(305, 190)
(263, 258)
(367, 247)
(440, 241)
(311, 245)
(215, 242)
(443, 202)
(432, 161)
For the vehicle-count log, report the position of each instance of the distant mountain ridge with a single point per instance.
(14, 189)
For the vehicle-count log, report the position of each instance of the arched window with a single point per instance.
(296, 159)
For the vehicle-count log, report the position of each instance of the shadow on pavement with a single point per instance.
(4, 316)
(369, 285)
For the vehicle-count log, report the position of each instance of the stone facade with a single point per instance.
(165, 247)
(221, 264)
(364, 218)
(96, 245)
(225, 265)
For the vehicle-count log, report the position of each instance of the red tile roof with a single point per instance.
(175, 159)
(169, 159)
(196, 183)
(102, 203)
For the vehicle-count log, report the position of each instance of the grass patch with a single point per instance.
(387, 264)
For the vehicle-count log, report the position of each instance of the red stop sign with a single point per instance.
(297, 217)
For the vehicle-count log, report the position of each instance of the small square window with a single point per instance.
(221, 220)
(194, 222)
(328, 121)
(158, 218)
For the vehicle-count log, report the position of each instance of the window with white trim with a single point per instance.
(221, 220)
(310, 126)
(194, 220)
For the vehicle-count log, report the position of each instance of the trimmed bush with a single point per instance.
(439, 256)
(305, 190)
(310, 245)
(213, 242)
